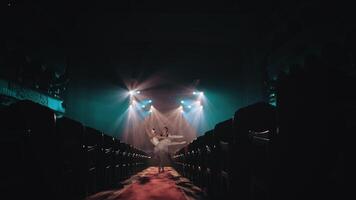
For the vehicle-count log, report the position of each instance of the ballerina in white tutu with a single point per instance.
(162, 148)
(154, 139)
(161, 144)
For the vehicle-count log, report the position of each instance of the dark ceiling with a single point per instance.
(141, 37)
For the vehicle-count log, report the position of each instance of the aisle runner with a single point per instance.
(151, 185)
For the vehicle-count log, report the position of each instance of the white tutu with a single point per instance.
(163, 145)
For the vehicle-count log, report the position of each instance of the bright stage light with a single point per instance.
(181, 108)
(133, 92)
(201, 93)
(189, 106)
(198, 102)
(182, 102)
(194, 93)
(143, 106)
(201, 107)
(150, 101)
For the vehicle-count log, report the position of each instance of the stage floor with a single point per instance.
(151, 185)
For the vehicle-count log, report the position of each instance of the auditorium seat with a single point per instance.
(93, 144)
(125, 160)
(199, 168)
(130, 159)
(178, 160)
(108, 160)
(29, 151)
(45, 157)
(189, 160)
(117, 162)
(202, 163)
(224, 135)
(255, 126)
(72, 157)
(307, 113)
(212, 165)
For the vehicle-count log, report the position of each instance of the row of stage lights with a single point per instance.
(133, 92)
(188, 104)
(146, 103)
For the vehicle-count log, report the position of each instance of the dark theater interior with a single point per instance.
(176, 100)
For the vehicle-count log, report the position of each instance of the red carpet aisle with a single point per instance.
(151, 185)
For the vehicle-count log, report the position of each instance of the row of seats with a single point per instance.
(289, 151)
(45, 157)
(233, 154)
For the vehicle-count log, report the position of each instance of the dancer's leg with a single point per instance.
(161, 161)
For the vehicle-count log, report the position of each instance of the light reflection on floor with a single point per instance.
(151, 185)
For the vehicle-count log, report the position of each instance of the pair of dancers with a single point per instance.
(161, 143)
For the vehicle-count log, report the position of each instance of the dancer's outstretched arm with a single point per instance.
(175, 136)
(177, 143)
